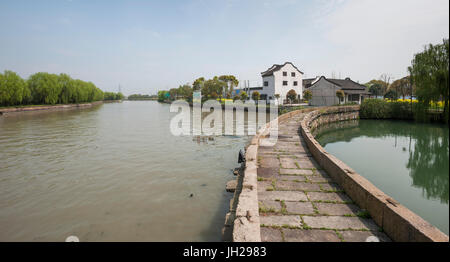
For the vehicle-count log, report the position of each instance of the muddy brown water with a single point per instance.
(113, 172)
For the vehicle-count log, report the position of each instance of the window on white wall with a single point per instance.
(266, 83)
(285, 83)
(295, 83)
(284, 73)
(293, 74)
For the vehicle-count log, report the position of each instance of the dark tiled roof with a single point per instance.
(356, 91)
(346, 83)
(307, 82)
(276, 67)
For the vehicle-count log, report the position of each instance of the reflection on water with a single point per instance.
(111, 173)
(408, 161)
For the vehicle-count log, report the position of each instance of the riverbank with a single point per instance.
(21, 109)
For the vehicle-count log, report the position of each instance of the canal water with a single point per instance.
(111, 173)
(408, 161)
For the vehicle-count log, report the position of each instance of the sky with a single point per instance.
(146, 46)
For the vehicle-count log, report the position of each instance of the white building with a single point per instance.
(279, 79)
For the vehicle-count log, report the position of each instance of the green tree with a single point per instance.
(292, 95)
(429, 72)
(162, 95)
(231, 82)
(243, 96)
(391, 94)
(307, 94)
(378, 87)
(256, 96)
(45, 88)
(185, 91)
(198, 83)
(212, 89)
(402, 87)
(173, 94)
(12, 88)
(340, 94)
(67, 89)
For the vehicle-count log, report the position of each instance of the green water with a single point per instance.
(406, 160)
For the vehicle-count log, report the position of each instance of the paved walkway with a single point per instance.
(299, 202)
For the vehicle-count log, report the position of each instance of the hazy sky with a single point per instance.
(149, 45)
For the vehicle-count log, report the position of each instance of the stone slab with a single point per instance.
(270, 205)
(337, 209)
(322, 196)
(287, 162)
(282, 195)
(305, 172)
(363, 236)
(292, 178)
(301, 235)
(268, 172)
(271, 234)
(264, 185)
(339, 222)
(280, 221)
(290, 185)
(270, 162)
(301, 208)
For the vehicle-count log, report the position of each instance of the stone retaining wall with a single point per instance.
(397, 221)
(246, 223)
(46, 107)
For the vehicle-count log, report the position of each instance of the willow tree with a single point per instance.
(429, 72)
(13, 90)
(45, 88)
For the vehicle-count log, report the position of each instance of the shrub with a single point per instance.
(384, 109)
(375, 109)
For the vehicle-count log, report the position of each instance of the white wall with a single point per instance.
(279, 78)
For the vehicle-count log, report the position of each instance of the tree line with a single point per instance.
(428, 81)
(44, 88)
(142, 97)
(427, 77)
(218, 87)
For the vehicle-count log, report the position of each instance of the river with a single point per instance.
(113, 172)
(408, 161)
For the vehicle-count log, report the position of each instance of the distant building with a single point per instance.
(278, 79)
(324, 91)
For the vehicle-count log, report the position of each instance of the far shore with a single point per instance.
(28, 108)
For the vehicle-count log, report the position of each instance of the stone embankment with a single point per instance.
(296, 191)
(11, 110)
